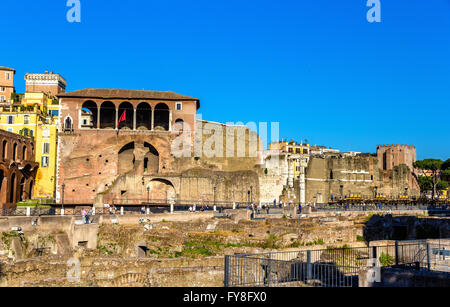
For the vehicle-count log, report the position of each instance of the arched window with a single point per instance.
(162, 112)
(24, 152)
(107, 115)
(2, 176)
(14, 156)
(144, 116)
(129, 115)
(89, 115)
(68, 126)
(4, 150)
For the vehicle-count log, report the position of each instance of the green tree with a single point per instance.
(442, 185)
(433, 165)
(425, 183)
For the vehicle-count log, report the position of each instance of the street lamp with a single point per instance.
(214, 196)
(63, 187)
(148, 194)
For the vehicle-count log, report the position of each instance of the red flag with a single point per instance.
(122, 118)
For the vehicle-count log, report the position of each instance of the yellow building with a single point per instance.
(298, 154)
(35, 114)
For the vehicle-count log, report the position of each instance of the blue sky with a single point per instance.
(316, 66)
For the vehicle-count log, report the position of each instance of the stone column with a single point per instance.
(170, 120)
(134, 119)
(153, 120)
(98, 118)
(302, 182)
(117, 118)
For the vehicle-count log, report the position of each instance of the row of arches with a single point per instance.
(107, 115)
(15, 150)
(15, 186)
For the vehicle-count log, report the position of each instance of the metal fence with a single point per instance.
(331, 267)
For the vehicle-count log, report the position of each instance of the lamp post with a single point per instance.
(214, 196)
(148, 195)
(251, 194)
(62, 201)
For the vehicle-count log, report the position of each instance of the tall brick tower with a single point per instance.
(47, 82)
(6, 83)
(390, 156)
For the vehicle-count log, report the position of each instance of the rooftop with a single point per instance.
(7, 68)
(126, 94)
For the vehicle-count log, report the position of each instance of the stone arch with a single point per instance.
(127, 158)
(151, 159)
(107, 115)
(179, 125)
(129, 115)
(162, 115)
(162, 190)
(12, 188)
(144, 116)
(89, 110)
(4, 149)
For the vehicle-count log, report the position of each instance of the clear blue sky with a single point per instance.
(316, 66)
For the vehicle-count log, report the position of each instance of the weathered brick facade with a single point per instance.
(137, 162)
(17, 168)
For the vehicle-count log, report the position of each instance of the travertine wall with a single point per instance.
(90, 165)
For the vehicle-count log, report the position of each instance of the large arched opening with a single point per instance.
(162, 112)
(162, 190)
(107, 115)
(30, 189)
(151, 159)
(22, 197)
(126, 158)
(12, 190)
(89, 115)
(144, 116)
(127, 108)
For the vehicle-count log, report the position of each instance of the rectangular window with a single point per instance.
(54, 113)
(2, 89)
(46, 148)
(10, 120)
(46, 132)
(179, 106)
(44, 161)
(2, 98)
(8, 76)
(10, 130)
(26, 119)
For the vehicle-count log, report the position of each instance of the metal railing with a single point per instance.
(331, 267)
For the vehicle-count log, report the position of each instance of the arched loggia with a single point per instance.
(107, 115)
(144, 116)
(127, 108)
(162, 115)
